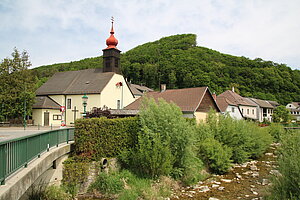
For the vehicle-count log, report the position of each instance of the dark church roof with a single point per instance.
(187, 99)
(44, 102)
(90, 81)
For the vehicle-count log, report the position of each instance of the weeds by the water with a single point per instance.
(126, 185)
(286, 183)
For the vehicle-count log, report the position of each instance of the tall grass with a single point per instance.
(286, 185)
(126, 185)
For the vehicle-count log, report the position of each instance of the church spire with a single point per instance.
(111, 55)
(112, 42)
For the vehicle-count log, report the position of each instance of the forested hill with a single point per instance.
(180, 63)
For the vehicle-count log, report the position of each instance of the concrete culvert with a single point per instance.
(104, 163)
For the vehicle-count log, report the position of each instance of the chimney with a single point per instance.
(232, 89)
(163, 87)
(214, 96)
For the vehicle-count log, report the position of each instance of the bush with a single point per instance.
(287, 184)
(75, 173)
(125, 185)
(215, 155)
(165, 143)
(245, 138)
(277, 131)
(109, 183)
(54, 192)
(101, 137)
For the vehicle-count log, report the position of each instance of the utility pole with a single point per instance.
(24, 117)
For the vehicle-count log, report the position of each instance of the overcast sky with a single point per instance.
(55, 31)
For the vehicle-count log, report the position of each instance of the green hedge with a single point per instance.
(101, 137)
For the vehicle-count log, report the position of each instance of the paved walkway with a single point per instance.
(8, 133)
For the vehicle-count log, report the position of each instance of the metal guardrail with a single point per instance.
(18, 152)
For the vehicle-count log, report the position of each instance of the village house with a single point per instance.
(193, 102)
(264, 110)
(139, 90)
(230, 108)
(294, 108)
(247, 108)
(62, 99)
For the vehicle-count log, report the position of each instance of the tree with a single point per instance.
(18, 85)
(281, 114)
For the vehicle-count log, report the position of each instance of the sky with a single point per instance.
(56, 31)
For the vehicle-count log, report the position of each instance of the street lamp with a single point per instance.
(84, 103)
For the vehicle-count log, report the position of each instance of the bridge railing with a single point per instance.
(18, 152)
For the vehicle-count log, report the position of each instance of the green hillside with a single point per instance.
(180, 63)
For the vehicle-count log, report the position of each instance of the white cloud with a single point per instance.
(59, 31)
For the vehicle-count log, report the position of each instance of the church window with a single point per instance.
(232, 109)
(69, 105)
(118, 104)
(117, 62)
(57, 117)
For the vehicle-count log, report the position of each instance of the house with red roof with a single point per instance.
(193, 102)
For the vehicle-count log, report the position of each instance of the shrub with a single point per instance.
(75, 173)
(287, 184)
(109, 183)
(215, 155)
(245, 138)
(165, 143)
(54, 192)
(277, 131)
(101, 137)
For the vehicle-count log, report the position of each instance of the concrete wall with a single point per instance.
(19, 183)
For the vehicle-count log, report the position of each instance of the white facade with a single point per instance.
(112, 96)
(249, 111)
(234, 112)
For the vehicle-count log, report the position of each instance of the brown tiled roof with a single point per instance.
(90, 81)
(188, 99)
(236, 99)
(44, 102)
(274, 103)
(262, 103)
(223, 103)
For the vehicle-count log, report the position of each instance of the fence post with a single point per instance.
(4, 164)
(26, 162)
(57, 140)
(39, 155)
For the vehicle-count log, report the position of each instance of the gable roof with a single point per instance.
(296, 104)
(223, 103)
(44, 102)
(139, 89)
(262, 103)
(187, 99)
(236, 99)
(90, 81)
(274, 103)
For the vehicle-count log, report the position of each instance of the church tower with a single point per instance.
(111, 55)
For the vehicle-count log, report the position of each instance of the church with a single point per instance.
(67, 96)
